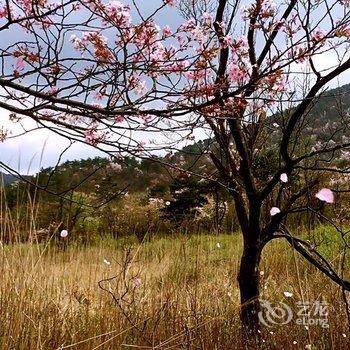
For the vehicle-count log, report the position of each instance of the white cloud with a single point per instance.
(29, 152)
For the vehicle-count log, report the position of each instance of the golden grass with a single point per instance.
(187, 298)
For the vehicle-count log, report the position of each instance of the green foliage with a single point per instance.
(328, 241)
(188, 198)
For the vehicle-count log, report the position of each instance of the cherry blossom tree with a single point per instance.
(103, 73)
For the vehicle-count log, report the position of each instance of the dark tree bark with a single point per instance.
(248, 279)
(248, 276)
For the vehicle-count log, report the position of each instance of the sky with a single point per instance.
(42, 148)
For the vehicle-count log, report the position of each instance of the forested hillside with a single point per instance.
(96, 194)
(7, 179)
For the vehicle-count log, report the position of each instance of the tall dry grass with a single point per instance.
(170, 293)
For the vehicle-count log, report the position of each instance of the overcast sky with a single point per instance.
(38, 149)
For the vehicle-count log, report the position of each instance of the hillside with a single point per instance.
(7, 179)
(96, 176)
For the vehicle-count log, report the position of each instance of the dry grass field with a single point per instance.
(170, 293)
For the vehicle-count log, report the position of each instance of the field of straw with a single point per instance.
(170, 293)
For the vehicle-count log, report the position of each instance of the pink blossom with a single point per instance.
(3, 12)
(267, 9)
(98, 42)
(98, 95)
(140, 88)
(242, 43)
(274, 211)
(170, 2)
(76, 6)
(343, 31)
(146, 36)
(20, 64)
(207, 17)
(179, 66)
(27, 6)
(325, 195)
(78, 44)
(115, 167)
(345, 3)
(221, 25)
(199, 34)
(194, 31)
(235, 73)
(196, 74)
(158, 55)
(119, 13)
(145, 117)
(189, 25)
(284, 177)
(3, 134)
(166, 31)
(119, 118)
(64, 233)
(298, 53)
(319, 35)
(226, 41)
(141, 146)
(137, 281)
(92, 135)
(181, 39)
(53, 90)
(280, 84)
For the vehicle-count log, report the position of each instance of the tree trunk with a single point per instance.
(248, 279)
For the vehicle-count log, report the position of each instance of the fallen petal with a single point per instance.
(64, 233)
(274, 211)
(284, 177)
(325, 195)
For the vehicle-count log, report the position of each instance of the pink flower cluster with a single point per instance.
(145, 35)
(194, 31)
(343, 31)
(118, 13)
(119, 118)
(92, 135)
(3, 11)
(97, 40)
(166, 31)
(53, 90)
(319, 35)
(261, 9)
(115, 167)
(207, 18)
(170, 2)
(3, 134)
(236, 73)
(145, 117)
(226, 41)
(197, 74)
